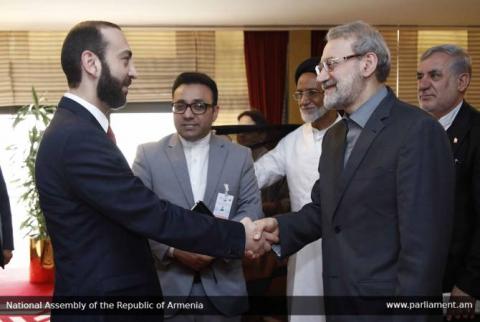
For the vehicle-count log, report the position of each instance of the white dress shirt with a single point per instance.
(95, 111)
(196, 154)
(448, 118)
(297, 156)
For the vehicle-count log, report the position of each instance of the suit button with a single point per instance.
(337, 229)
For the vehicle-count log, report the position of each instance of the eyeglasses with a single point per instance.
(330, 63)
(309, 93)
(197, 108)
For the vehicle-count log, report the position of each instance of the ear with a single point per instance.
(463, 80)
(369, 64)
(91, 64)
(215, 112)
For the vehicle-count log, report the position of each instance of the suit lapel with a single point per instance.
(460, 127)
(339, 132)
(374, 126)
(176, 156)
(216, 161)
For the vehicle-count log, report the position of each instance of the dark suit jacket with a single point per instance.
(5, 217)
(463, 266)
(99, 215)
(386, 218)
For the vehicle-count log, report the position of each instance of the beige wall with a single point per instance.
(298, 50)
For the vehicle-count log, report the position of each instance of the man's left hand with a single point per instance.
(7, 256)
(467, 303)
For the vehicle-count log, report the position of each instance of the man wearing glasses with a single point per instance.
(196, 165)
(296, 157)
(383, 205)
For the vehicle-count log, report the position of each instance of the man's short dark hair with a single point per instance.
(307, 66)
(255, 115)
(84, 36)
(197, 78)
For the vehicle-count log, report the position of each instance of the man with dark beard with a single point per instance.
(99, 215)
(383, 205)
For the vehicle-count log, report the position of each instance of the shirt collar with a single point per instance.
(95, 111)
(447, 119)
(318, 134)
(363, 113)
(199, 143)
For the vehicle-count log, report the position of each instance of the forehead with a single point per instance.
(306, 81)
(339, 47)
(437, 61)
(191, 92)
(246, 120)
(115, 39)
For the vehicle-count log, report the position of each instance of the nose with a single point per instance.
(304, 100)
(423, 83)
(132, 71)
(188, 114)
(323, 75)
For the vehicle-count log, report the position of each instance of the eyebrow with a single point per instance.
(431, 71)
(127, 52)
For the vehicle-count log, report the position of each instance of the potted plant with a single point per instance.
(41, 252)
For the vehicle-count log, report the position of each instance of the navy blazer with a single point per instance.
(5, 216)
(385, 219)
(99, 215)
(463, 266)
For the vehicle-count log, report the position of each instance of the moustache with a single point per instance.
(328, 83)
(127, 82)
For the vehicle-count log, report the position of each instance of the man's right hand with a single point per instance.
(197, 262)
(259, 238)
(269, 228)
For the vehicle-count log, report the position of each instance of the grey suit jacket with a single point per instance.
(386, 218)
(162, 167)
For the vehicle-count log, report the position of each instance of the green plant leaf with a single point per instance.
(34, 224)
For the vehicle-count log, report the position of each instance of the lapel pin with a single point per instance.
(455, 140)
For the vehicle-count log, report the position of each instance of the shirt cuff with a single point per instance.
(277, 250)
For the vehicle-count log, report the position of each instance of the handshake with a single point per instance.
(259, 236)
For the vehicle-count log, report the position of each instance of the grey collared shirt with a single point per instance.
(357, 120)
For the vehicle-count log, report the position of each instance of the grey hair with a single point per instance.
(367, 39)
(461, 60)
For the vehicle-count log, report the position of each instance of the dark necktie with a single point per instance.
(111, 135)
(342, 134)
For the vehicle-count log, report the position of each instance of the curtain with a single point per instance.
(266, 65)
(318, 42)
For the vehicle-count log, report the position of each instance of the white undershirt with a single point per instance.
(196, 154)
(95, 111)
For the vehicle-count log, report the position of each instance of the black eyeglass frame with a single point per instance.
(204, 107)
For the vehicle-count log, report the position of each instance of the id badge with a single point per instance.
(223, 205)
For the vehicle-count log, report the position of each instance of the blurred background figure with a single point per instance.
(266, 276)
(255, 140)
(6, 232)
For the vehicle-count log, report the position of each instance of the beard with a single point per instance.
(315, 115)
(109, 88)
(346, 93)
